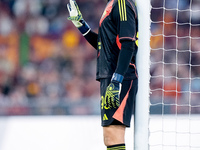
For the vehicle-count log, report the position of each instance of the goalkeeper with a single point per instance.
(116, 45)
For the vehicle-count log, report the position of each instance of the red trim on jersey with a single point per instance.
(118, 42)
(118, 115)
(98, 54)
(135, 69)
(133, 39)
(106, 11)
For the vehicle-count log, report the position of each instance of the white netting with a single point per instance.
(175, 75)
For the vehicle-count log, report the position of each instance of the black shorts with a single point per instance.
(123, 114)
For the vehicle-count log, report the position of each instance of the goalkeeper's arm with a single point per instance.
(114, 88)
(79, 22)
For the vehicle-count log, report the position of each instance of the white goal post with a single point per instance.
(141, 118)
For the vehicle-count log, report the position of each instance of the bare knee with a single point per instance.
(114, 134)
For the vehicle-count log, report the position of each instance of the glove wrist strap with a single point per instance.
(117, 77)
(85, 28)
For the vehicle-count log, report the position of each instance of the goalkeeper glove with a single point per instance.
(112, 97)
(76, 17)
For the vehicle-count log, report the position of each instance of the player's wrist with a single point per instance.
(117, 78)
(85, 28)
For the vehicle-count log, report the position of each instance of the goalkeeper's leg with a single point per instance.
(115, 120)
(114, 137)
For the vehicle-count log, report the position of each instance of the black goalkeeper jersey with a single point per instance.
(118, 22)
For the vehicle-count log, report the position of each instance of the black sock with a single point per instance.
(117, 147)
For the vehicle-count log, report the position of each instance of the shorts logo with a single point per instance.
(105, 117)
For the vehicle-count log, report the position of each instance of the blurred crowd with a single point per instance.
(48, 68)
(44, 61)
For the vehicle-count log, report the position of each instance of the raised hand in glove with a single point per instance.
(76, 17)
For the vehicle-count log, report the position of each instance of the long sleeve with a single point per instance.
(125, 56)
(91, 37)
(127, 29)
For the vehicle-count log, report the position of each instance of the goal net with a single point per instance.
(174, 122)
